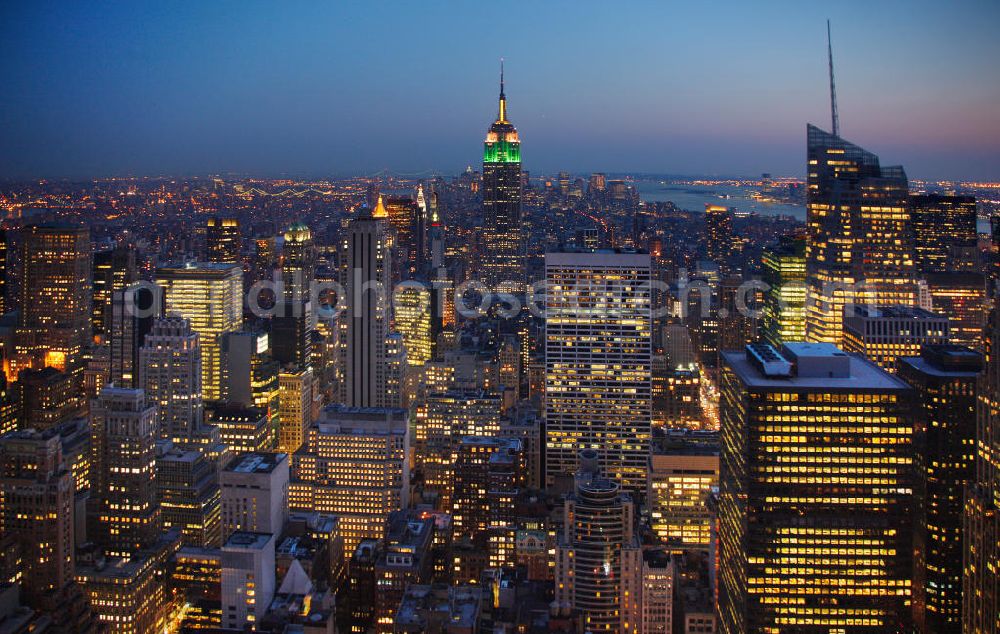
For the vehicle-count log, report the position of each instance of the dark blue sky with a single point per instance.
(318, 88)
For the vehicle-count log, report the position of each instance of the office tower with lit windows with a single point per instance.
(962, 298)
(248, 580)
(123, 507)
(405, 215)
(114, 270)
(132, 313)
(255, 493)
(244, 429)
(295, 396)
(502, 262)
(249, 374)
(720, 243)
(54, 326)
(598, 358)
(981, 577)
(355, 465)
(36, 510)
(816, 492)
(128, 595)
(885, 333)
(188, 492)
(944, 378)
(170, 373)
(859, 246)
(784, 311)
(298, 263)
(443, 419)
(944, 233)
(210, 295)
(412, 306)
(222, 240)
(680, 480)
(591, 558)
(365, 269)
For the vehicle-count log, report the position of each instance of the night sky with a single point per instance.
(331, 88)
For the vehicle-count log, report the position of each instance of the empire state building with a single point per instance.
(503, 240)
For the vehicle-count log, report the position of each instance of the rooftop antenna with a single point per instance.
(833, 86)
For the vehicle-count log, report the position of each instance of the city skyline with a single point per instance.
(182, 90)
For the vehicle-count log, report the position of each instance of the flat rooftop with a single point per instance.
(248, 541)
(256, 462)
(893, 312)
(862, 375)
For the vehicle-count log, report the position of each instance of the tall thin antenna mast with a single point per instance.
(833, 86)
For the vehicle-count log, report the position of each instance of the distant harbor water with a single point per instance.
(695, 197)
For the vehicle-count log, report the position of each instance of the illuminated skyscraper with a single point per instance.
(187, 489)
(598, 529)
(885, 333)
(719, 240)
(502, 263)
(114, 270)
(816, 492)
(298, 263)
(407, 217)
(210, 295)
(944, 378)
(355, 464)
(944, 233)
(981, 579)
(170, 373)
(222, 240)
(295, 395)
(784, 265)
(858, 246)
(598, 363)
(125, 512)
(679, 483)
(412, 310)
(36, 509)
(961, 297)
(255, 493)
(54, 328)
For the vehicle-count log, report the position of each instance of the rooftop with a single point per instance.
(248, 541)
(866, 311)
(858, 373)
(256, 462)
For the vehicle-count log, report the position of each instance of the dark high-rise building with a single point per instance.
(407, 217)
(133, 311)
(944, 378)
(858, 244)
(981, 579)
(36, 489)
(816, 492)
(944, 233)
(962, 298)
(719, 239)
(4, 305)
(222, 240)
(54, 328)
(502, 263)
(47, 397)
(298, 263)
(114, 269)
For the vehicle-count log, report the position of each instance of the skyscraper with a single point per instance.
(365, 267)
(816, 492)
(502, 263)
(981, 577)
(598, 363)
(36, 509)
(719, 239)
(170, 373)
(210, 295)
(884, 333)
(133, 311)
(858, 246)
(784, 314)
(298, 263)
(125, 512)
(54, 327)
(944, 233)
(222, 240)
(944, 378)
(590, 559)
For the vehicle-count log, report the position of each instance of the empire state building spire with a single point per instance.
(502, 115)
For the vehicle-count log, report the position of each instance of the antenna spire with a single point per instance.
(833, 86)
(502, 115)
(501, 78)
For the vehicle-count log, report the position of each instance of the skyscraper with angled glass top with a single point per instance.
(503, 240)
